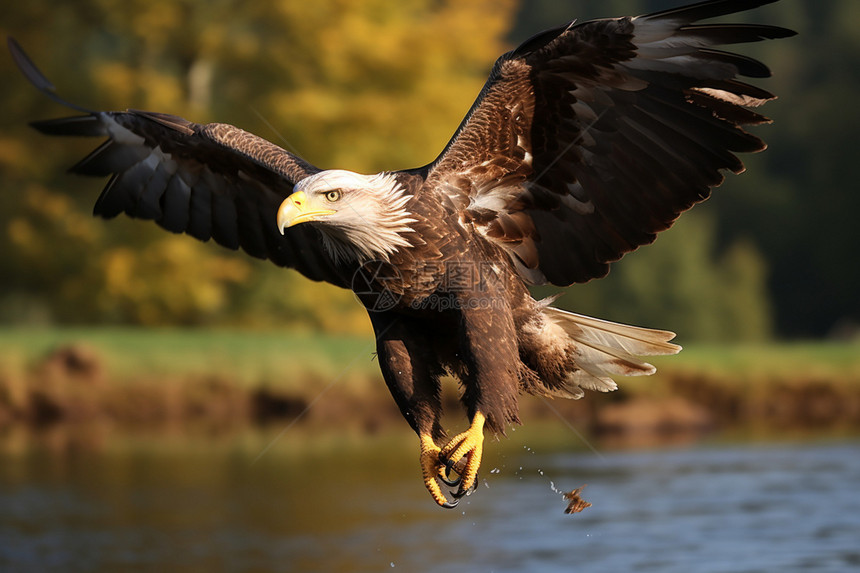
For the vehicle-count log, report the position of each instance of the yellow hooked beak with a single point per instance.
(297, 209)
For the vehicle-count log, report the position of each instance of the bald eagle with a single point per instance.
(586, 141)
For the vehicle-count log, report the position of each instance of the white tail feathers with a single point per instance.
(605, 349)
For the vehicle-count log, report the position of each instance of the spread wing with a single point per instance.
(589, 139)
(211, 181)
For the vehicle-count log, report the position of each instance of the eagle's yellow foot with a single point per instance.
(468, 445)
(432, 468)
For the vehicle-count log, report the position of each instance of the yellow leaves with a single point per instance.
(155, 21)
(13, 153)
(475, 28)
(174, 280)
(21, 232)
(160, 90)
(381, 84)
(317, 104)
(48, 219)
(116, 79)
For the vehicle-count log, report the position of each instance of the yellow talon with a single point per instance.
(432, 468)
(471, 445)
(462, 454)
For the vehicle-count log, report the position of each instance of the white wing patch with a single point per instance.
(737, 99)
(119, 133)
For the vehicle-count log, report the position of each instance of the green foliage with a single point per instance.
(381, 85)
(799, 202)
(681, 284)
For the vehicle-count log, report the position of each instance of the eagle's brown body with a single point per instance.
(470, 315)
(586, 141)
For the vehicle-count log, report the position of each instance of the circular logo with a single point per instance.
(375, 285)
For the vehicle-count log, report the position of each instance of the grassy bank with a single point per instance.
(169, 377)
(246, 357)
(742, 363)
(232, 378)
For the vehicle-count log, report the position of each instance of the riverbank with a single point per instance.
(128, 379)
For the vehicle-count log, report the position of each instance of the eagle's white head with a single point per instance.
(361, 217)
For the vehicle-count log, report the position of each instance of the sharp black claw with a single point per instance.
(466, 493)
(460, 493)
(447, 479)
(451, 504)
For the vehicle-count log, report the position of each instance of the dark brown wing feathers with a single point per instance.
(211, 181)
(601, 134)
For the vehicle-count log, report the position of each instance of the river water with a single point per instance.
(312, 504)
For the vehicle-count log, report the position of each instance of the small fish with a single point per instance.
(575, 503)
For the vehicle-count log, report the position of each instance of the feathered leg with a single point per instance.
(413, 379)
(489, 350)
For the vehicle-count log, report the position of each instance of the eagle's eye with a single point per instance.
(333, 195)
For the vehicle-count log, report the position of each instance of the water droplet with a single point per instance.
(495, 471)
(392, 564)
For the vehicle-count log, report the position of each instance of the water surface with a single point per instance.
(199, 505)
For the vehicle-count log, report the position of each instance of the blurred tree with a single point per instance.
(799, 201)
(367, 86)
(682, 283)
